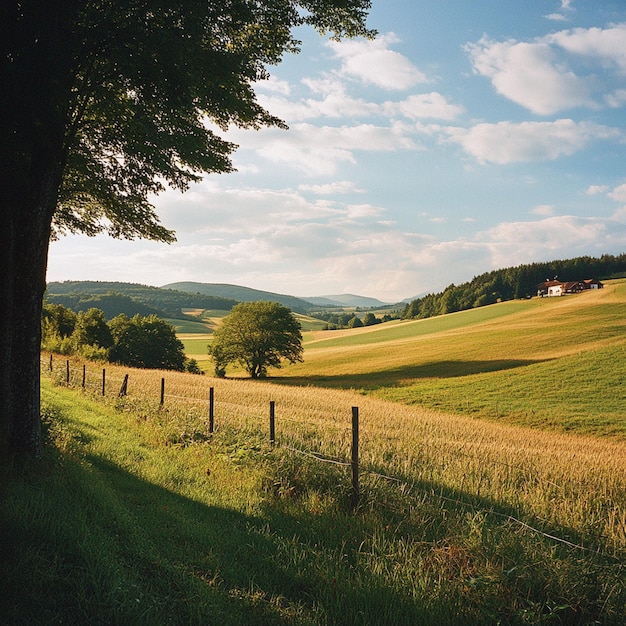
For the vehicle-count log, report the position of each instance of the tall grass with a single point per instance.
(138, 515)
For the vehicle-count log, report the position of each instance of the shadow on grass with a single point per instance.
(91, 543)
(88, 542)
(404, 375)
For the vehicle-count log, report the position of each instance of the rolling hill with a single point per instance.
(550, 362)
(131, 298)
(241, 294)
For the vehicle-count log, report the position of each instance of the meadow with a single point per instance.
(473, 510)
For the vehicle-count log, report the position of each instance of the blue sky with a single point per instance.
(468, 136)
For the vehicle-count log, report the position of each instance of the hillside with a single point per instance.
(510, 283)
(550, 362)
(347, 300)
(131, 298)
(241, 294)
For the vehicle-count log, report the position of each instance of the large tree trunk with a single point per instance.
(23, 258)
(35, 95)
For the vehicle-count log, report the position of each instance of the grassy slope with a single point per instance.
(134, 516)
(555, 362)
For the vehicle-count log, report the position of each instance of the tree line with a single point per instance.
(335, 321)
(511, 283)
(130, 298)
(138, 341)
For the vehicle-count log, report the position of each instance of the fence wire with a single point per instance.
(407, 486)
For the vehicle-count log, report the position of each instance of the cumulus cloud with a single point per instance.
(607, 45)
(425, 105)
(373, 62)
(530, 74)
(514, 243)
(508, 142)
(319, 150)
(594, 190)
(559, 71)
(619, 193)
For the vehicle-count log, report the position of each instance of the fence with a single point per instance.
(101, 383)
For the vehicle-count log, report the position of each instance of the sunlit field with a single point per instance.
(491, 481)
(460, 520)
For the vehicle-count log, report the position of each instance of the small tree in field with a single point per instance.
(257, 335)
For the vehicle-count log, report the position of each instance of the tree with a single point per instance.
(257, 335)
(92, 330)
(147, 342)
(59, 319)
(370, 319)
(355, 322)
(103, 102)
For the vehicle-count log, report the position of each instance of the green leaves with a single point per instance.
(257, 335)
(148, 78)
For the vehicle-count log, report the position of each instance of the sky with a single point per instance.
(468, 136)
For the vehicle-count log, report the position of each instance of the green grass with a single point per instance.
(583, 393)
(553, 363)
(135, 515)
(183, 327)
(121, 522)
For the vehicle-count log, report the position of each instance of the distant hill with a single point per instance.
(241, 294)
(347, 300)
(131, 298)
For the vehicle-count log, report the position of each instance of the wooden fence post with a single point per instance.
(162, 391)
(67, 371)
(272, 422)
(104, 376)
(124, 387)
(211, 410)
(84, 374)
(50, 362)
(355, 456)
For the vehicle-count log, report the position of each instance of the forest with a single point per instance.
(513, 283)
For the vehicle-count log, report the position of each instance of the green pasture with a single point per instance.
(547, 362)
(134, 515)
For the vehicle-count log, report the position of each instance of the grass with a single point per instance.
(493, 483)
(136, 515)
(551, 363)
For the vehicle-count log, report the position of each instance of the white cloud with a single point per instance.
(273, 85)
(374, 63)
(619, 193)
(530, 75)
(426, 105)
(507, 142)
(581, 67)
(566, 9)
(330, 189)
(319, 150)
(607, 45)
(514, 243)
(593, 190)
(543, 209)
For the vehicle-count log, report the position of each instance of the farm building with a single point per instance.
(560, 288)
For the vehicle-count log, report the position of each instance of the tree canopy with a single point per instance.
(103, 104)
(257, 335)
